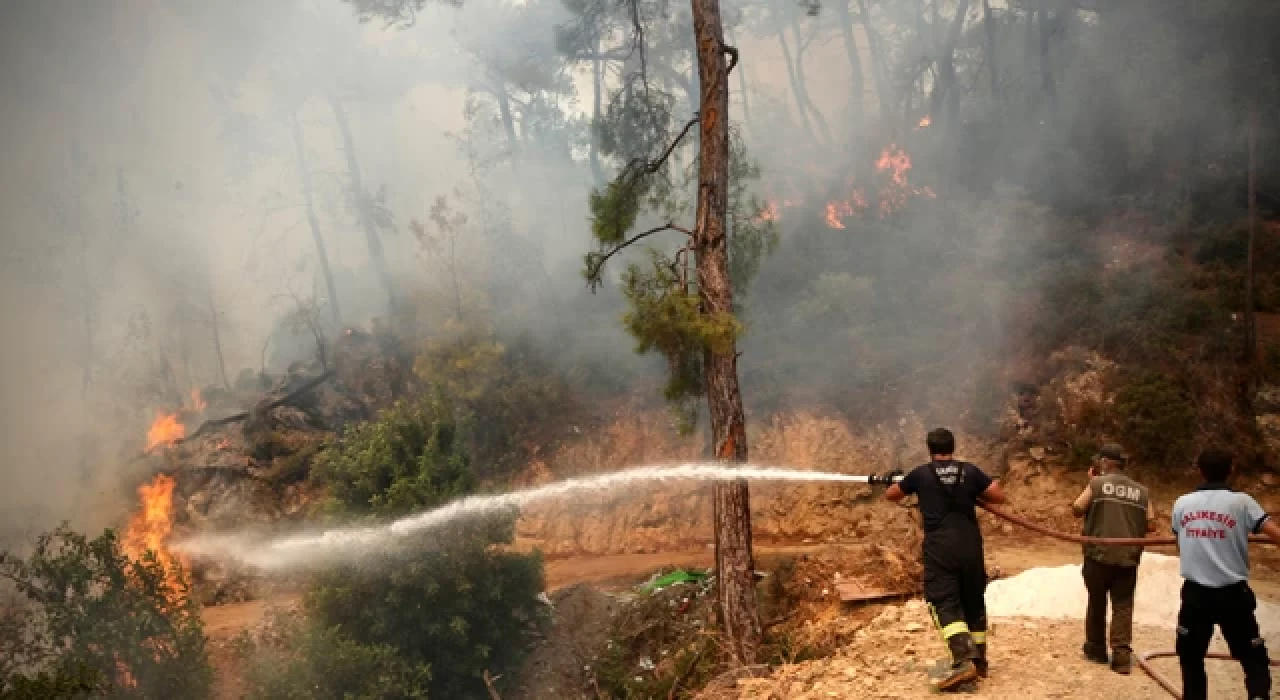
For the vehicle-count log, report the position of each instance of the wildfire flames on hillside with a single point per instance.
(165, 430)
(150, 527)
(893, 165)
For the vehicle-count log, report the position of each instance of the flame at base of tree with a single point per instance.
(150, 527)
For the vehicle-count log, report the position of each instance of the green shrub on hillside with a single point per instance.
(409, 458)
(1157, 419)
(301, 660)
(95, 618)
(508, 394)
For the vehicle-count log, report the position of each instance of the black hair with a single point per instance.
(1215, 465)
(940, 441)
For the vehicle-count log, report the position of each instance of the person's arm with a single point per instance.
(1080, 506)
(1271, 529)
(1259, 522)
(993, 494)
(902, 489)
(987, 489)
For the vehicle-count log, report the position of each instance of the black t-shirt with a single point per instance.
(932, 491)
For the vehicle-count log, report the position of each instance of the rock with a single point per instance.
(1037, 453)
(912, 627)
(1270, 479)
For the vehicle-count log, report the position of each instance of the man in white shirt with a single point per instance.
(1213, 524)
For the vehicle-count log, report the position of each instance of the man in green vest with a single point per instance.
(1113, 506)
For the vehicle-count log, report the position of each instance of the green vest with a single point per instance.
(1117, 508)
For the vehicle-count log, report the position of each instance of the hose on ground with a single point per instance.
(1143, 659)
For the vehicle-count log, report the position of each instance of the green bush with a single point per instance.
(458, 610)
(426, 617)
(302, 660)
(96, 618)
(409, 458)
(508, 393)
(1156, 418)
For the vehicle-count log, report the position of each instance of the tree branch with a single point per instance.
(733, 57)
(638, 43)
(596, 261)
(651, 167)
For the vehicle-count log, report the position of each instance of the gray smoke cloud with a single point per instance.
(151, 189)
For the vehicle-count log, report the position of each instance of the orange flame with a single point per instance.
(897, 160)
(835, 210)
(838, 210)
(150, 527)
(165, 430)
(925, 121)
(198, 401)
(769, 213)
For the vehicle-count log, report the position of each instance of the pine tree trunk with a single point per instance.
(856, 81)
(508, 120)
(322, 254)
(1046, 70)
(818, 119)
(993, 69)
(735, 568)
(364, 207)
(797, 92)
(879, 71)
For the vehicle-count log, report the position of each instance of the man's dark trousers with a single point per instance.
(1232, 609)
(955, 583)
(1117, 582)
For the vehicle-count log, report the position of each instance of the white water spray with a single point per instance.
(296, 551)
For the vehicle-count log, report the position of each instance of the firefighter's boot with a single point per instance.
(1122, 661)
(980, 660)
(962, 669)
(1096, 654)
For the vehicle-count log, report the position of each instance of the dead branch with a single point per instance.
(237, 417)
(597, 260)
(732, 51)
(638, 43)
(650, 167)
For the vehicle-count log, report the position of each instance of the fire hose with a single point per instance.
(1143, 659)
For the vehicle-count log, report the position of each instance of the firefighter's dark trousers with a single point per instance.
(1118, 583)
(1232, 609)
(955, 585)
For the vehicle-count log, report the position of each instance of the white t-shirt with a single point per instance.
(1213, 524)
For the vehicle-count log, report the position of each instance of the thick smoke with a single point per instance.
(152, 189)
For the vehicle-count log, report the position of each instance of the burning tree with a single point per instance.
(96, 618)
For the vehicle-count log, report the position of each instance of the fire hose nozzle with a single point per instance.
(886, 479)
